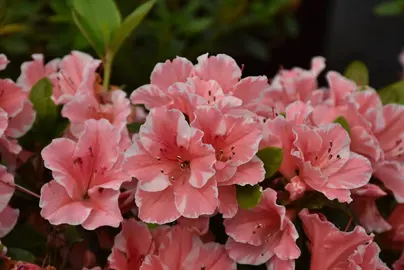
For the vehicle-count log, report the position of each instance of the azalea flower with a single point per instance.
(35, 70)
(112, 106)
(333, 249)
(174, 168)
(77, 74)
(3, 61)
(181, 249)
(213, 81)
(8, 215)
(364, 206)
(396, 220)
(262, 234)
(235, 140)
(131, 246)
(87, 177)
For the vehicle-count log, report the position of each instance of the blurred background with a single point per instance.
(261, 34)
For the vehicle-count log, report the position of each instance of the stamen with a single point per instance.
(162, 171)
(338, 156)
(209, 93)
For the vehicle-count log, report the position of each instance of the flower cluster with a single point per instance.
(206, 139)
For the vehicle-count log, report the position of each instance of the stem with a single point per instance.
(109, 58)
(27, 191)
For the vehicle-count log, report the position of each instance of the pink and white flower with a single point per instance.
(333, 249)
(262, 234)
(8, 215)
(174, 168)
(87, 177)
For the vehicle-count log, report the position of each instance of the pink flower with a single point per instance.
(8, 219)
(8, 215)
(262, 233)
(77, 75)
(296, 84)
(316, 158)
(113, 106)
(325, 163)
(87, 177)
(33, 71)
(214, 81)
(364, 206)
(331, 248)
(174, 168)
(131, 246)
(181, 249)
(366, 257)
(199, 225)
(396, 220)
(235, 140)
(3, 61)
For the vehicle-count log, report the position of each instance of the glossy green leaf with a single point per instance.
(40, 97)
(357, 72)
(390, 8)
(97, 20)
(248, 196)
(393, 93)
(129, 24)
(343, 122)
(20, 255)
(272, 159)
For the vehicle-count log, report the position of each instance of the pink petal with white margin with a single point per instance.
(193, 202)
(6, 187)
(147, 169)
(184, 100)
(287, 248)
(396, 219)
(9, 146)
(170, 72)
(8, 219)
(104, 209)
(12, 97)
(277, 264)
(296, 188)
(317, 65)
(249, 254)
(355, 173)
(210, 256)
(150, 96)
(340, 86)
(35, 70)
(364, 206)
(253, 226)
(22, 122)
(221, 68)
(157, 207)
(228, 204)
(250, 173)
(58, 157)
(58, 207)
(177, 246)
(3, 122)
(3, 61)
(392, 176)
(367, 258)
(250, 89)
(329, 246)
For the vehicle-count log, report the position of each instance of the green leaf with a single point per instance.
(134, 127)
(128, 25)
(272, 159)
(40, 97)
(97, 20)
(391, 8)
(393, 93)
(344, 123)
(248, 196)
(20, 255)
(152, 225)
(196, 26)
(357, 72)
(72, 235)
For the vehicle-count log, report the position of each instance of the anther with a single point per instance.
(330, 157)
